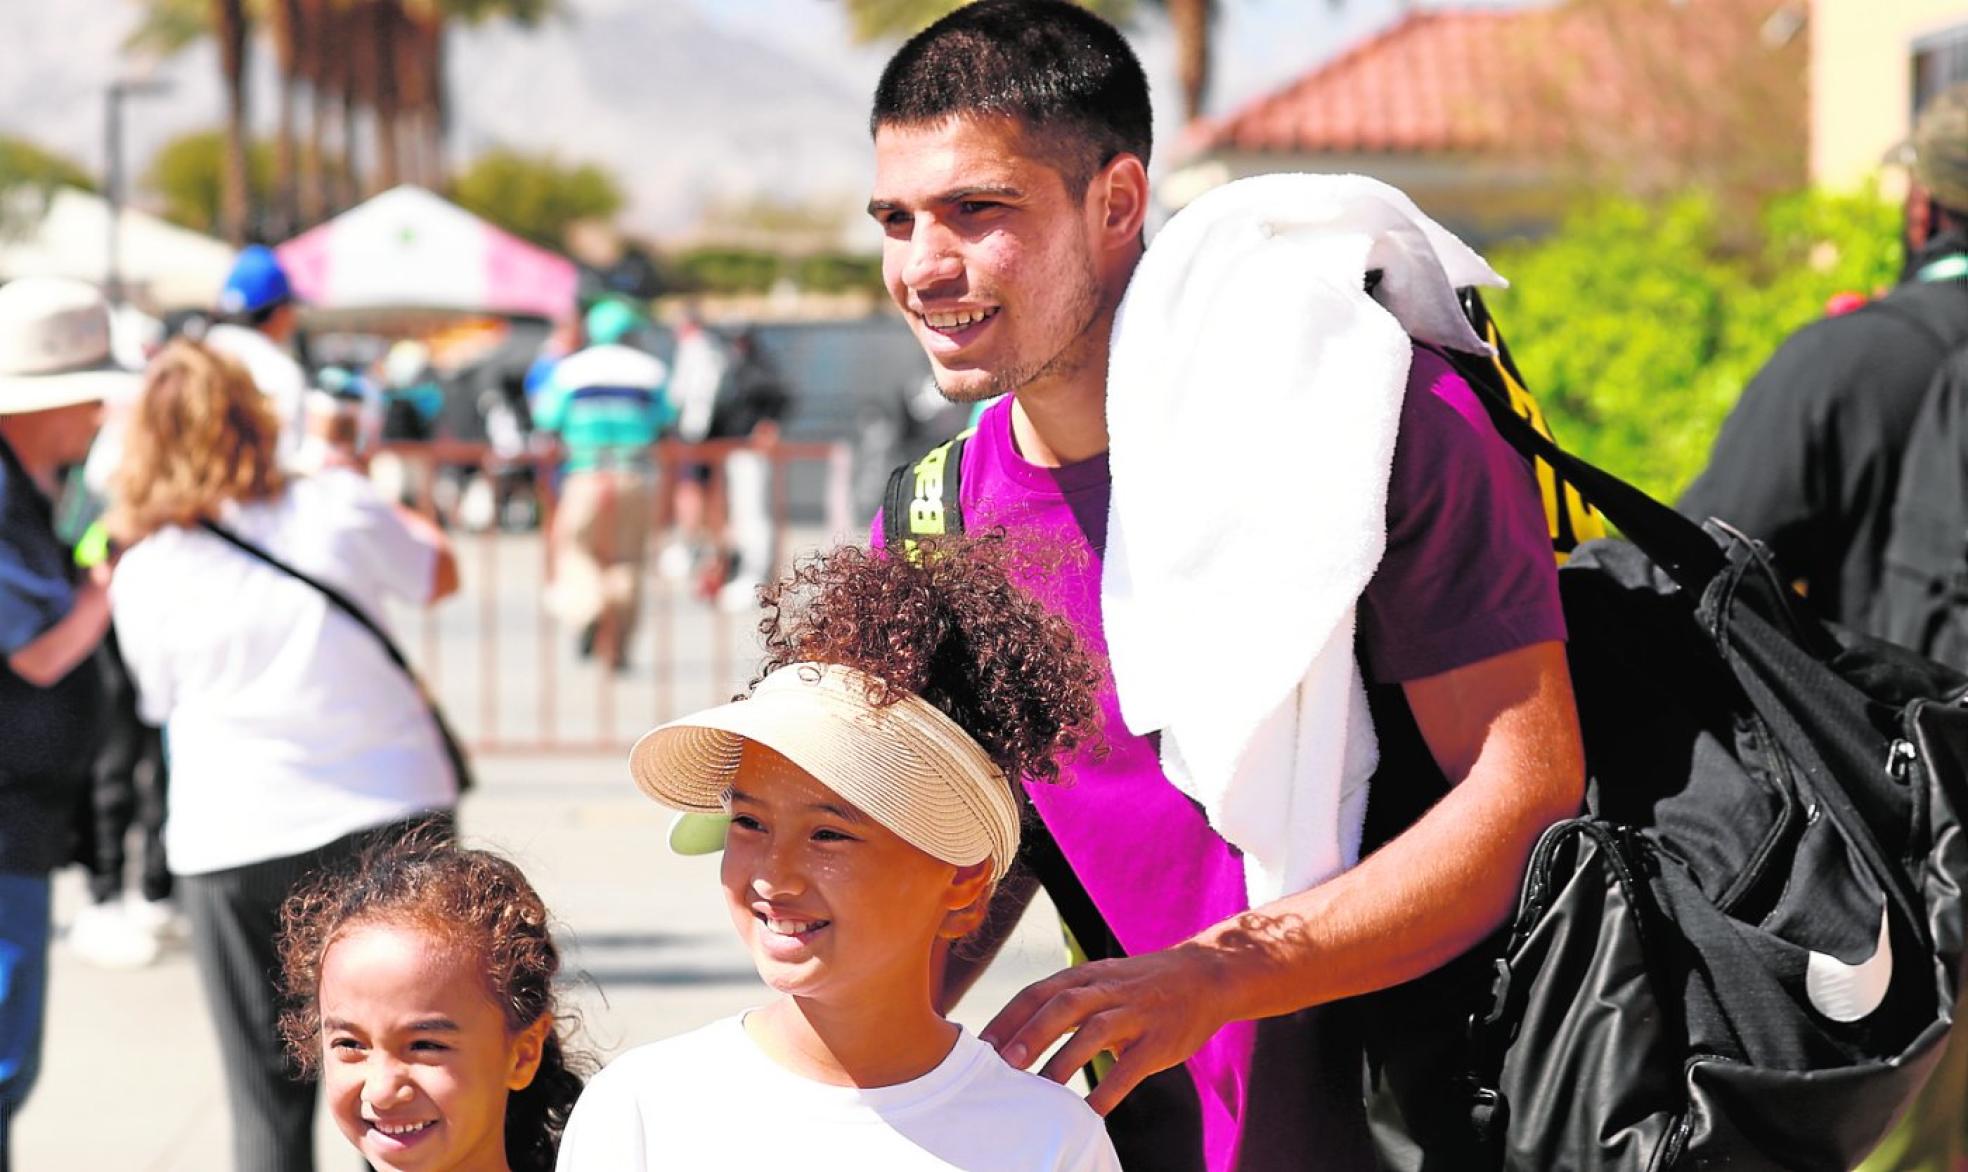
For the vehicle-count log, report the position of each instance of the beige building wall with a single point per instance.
(1861, 79)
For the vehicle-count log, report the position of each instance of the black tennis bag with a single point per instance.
(1746, 955)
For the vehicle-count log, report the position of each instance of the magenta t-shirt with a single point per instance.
(1468, 574)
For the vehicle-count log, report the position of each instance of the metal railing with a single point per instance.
(508, 672)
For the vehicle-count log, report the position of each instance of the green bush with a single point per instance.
(1637, 326)
(189, 174)
(718, 269)
(27, 167)
(834, 272)
(536, 196)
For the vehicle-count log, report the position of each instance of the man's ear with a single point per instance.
(968, 900)
(1118, 193)
(1919, 215)
(528, 1047)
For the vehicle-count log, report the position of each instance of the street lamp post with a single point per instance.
(113, 172)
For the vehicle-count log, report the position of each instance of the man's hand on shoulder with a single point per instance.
(1151, 1012)
(1505, 733)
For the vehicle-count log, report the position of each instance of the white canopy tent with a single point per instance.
(161, 265)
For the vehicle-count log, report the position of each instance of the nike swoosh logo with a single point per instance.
(1848, 992)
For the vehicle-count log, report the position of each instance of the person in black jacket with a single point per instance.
(751, 404)
(1809, 459)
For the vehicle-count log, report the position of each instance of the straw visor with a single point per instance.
(906, 764)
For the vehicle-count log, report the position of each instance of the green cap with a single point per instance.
(610, 320)
(1939, 148)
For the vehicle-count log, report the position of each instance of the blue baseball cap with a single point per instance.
(256, 282)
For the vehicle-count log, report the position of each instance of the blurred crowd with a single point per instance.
(199, 525)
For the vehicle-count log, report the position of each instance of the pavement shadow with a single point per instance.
(574, 941)
(664, 977)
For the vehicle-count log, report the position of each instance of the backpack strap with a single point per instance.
(1677, 544)
(1570, 518)
(922, 498)
(454, 753)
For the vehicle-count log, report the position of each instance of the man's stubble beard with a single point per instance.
(1066, 362)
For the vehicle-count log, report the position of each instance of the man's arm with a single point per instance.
(445, 578)
(1504, 730)
(47, 659)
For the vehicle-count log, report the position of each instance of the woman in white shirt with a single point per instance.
(862, 800)
(294, 740)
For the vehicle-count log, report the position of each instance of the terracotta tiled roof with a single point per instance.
(1481, 81)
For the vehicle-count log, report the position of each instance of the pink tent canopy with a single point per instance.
(407, 248)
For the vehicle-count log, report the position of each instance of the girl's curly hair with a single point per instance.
(949, 623)
(469, 899)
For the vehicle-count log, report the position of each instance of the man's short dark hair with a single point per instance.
(1065, 75)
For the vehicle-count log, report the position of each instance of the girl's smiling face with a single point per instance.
(831, 904)
(416, 1057)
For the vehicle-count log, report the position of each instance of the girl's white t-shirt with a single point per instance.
(713, 1099)
(287, 726)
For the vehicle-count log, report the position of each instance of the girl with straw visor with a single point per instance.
(860, 797)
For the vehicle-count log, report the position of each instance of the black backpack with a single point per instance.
(1747, 953)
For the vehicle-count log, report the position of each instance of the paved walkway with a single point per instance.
(131, 1077)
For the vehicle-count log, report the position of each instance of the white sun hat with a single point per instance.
(55, 347)
(904, 763)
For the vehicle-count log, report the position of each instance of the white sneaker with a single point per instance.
(106, 937)
(738, 596)
(675, 562)
(159, 917)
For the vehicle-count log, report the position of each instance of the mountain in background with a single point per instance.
(686, 114)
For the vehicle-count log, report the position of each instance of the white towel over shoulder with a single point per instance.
(1253, 397)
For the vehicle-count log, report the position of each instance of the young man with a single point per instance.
(1011, 146)
(55, 371)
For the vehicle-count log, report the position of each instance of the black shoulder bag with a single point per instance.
(1746, 954)
(453, 752)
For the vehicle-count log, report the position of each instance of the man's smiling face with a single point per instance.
(988, 254)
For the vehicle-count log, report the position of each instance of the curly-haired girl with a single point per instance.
(420, 986)
(866, 817)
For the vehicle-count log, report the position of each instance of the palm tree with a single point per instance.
(286, 22)
(385, 57)
(168, 27)
(230, 26)
(1191, 20)
(311, 65)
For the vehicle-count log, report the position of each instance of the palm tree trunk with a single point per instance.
(312, 197)
(383, 27)
(311, 203)
(229, 27)
(1190, 20)
(352, 88)
(285, 21)
(439, 123)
